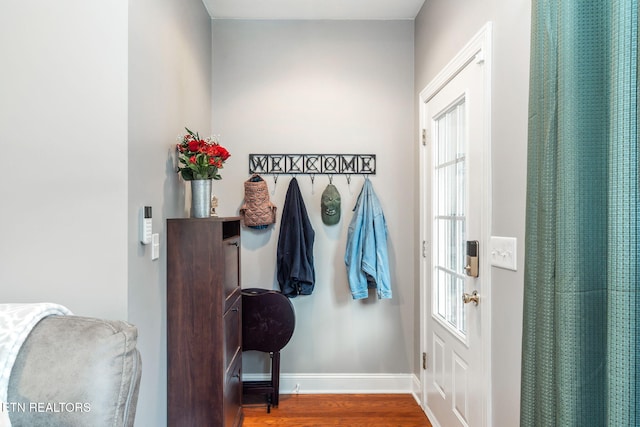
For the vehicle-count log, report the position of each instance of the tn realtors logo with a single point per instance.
(52, 407)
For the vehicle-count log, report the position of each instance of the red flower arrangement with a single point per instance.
(200, 158)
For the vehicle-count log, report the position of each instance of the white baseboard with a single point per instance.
(432, 418)
(341, 383)
(417, 394)
(417, 390)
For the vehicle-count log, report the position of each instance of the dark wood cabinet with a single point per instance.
(204, 315)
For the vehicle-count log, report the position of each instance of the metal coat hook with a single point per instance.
(313, 179)
(349, 184)
(330, 179)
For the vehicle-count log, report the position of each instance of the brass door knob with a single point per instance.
(473, 297)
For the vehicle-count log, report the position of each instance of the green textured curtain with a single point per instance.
(581, 343)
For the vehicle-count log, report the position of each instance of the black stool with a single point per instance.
(268, 321)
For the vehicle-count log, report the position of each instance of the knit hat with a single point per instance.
(257, 210)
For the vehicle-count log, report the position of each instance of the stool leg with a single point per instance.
(275, 377)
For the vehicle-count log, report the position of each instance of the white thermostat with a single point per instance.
(145, 225)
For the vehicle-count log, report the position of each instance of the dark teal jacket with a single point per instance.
(296, 272)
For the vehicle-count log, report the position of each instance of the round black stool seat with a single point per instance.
(268, 320)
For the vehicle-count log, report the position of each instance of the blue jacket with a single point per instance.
(296, 272)
(367, 257)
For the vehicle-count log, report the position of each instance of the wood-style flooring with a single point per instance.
(352, 410)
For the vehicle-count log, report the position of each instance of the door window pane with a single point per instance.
(449, 224)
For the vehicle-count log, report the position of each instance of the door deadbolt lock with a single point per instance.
(471, 267)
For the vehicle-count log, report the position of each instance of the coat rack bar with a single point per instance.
(329, 164)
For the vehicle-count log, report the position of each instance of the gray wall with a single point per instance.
(324, 87)
(443, 27)
(169, 88)
(63, 133)
(91, 105)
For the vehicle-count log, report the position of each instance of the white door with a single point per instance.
(455, 192)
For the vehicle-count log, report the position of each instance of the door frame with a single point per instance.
(478, 49)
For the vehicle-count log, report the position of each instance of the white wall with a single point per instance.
(169, 88)
(324, 87)
(443, 27)
(63, 133)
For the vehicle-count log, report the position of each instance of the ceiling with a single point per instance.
(314, 9)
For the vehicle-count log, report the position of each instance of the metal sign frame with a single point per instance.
(329, 164)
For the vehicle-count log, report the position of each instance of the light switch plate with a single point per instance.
(504, 252)
(155, 246)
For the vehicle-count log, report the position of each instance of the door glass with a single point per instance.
(449, 223)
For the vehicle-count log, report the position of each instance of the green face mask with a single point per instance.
(330, 205)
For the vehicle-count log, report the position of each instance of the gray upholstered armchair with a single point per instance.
(76, 371)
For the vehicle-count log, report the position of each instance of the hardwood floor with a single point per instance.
(353, 410)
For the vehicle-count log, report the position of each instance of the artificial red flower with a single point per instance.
(215, 161)
(221, 152)
(193, 145)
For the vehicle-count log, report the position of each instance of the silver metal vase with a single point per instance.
(201, 198)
